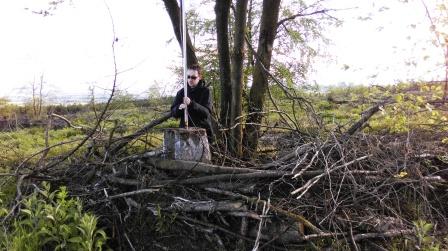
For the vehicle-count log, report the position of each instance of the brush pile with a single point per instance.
(361, 192)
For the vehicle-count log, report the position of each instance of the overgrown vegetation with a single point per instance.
(356, 168)
(395, 168)
(49, 220)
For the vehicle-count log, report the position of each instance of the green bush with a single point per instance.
(52, 221)
(425, 241)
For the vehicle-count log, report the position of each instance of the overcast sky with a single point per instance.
(72, 47)
(392, 43)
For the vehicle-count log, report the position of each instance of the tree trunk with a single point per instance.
(237, 77)
(175, 15)
(250, 55)
(41, 86)
(34, 100)
(222, 9)
(269, 19)
(445, 91)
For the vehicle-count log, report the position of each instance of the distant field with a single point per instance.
(407, 107)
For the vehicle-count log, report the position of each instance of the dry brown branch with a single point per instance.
(388, 234)
(67, 121)
(234, 177)
(285, 117)
(219, 177)
(207, 206)
(194, 166)
(296, 217)
(301, 14)
(297, 152)
(315, 179)
(122, 195)
(365, 116)
(118, 144)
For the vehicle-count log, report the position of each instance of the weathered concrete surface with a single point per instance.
(186, 144)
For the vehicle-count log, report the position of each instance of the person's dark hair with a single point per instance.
(196, 67)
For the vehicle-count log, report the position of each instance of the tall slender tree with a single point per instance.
(222, 9)
(268, 28)
(174, 12)
(237, 76)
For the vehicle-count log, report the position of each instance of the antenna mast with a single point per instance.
(184, 57)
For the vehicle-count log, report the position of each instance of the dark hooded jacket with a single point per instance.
(199, 110)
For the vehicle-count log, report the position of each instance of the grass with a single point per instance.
(409, 111)
(16, 146)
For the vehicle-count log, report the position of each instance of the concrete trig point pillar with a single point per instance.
(186, 144)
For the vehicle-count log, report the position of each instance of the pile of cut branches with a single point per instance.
(352, 190)
(359, 192)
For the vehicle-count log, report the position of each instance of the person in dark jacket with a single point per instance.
(198, 102)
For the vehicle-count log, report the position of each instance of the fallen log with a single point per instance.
(68, 122)
(119, 143)
(206, 206)
(219, 177)
(194, 166)
(200, 180)
(365, 116)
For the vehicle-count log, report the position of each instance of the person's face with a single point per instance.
(193, 78)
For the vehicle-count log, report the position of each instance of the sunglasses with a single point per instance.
(192, 77)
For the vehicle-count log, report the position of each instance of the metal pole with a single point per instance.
(184, 57)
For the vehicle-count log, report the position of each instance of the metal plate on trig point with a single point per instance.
(186, 144)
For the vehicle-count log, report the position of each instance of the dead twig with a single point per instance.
(119, 143)
(67, 121)
(276, 209)
(122, 195)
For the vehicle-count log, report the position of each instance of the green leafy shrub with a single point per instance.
(424, 240)
(164, 221)
(52, 221)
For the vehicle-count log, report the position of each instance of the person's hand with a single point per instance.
(187, 100)
(182, 106)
